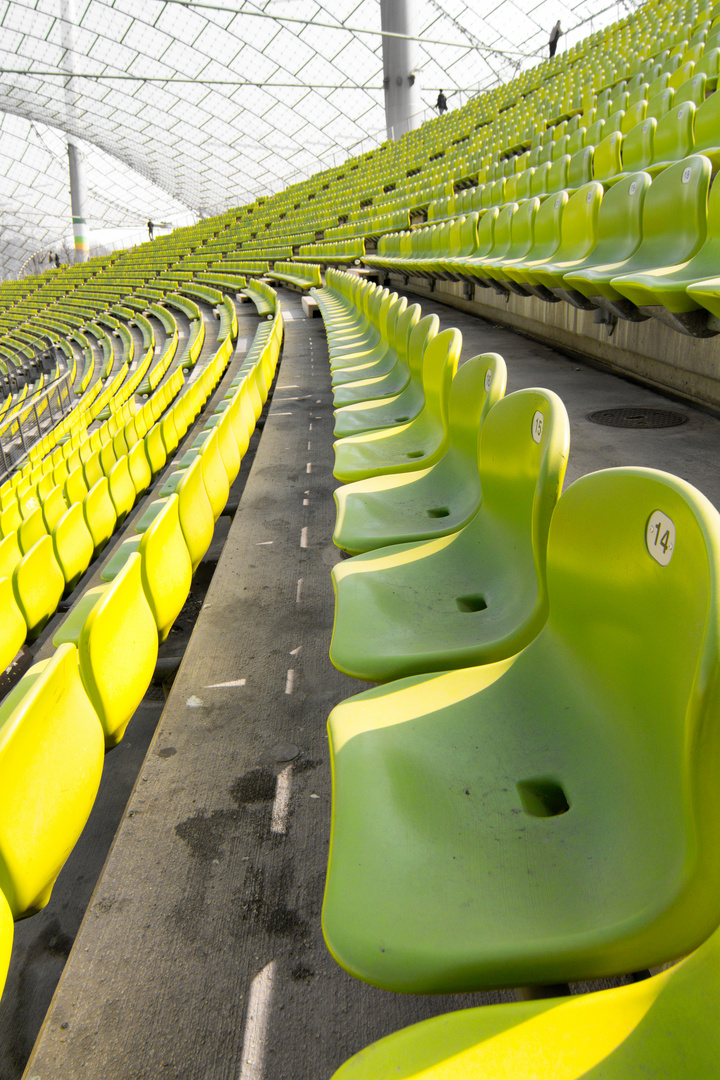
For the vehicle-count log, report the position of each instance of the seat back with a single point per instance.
(478, 385)
(196, 516)
(139, 467)
(707, 125)
(51, 759)
(524, 448)
(53, 507)
(14, 627)
(31, 530)
(100, 514)
(547, 227)
(73, 545)
(674, 134)
(578, 227)
(166, 566)
(608, 161)
(38, 584)
(631, 552)
(440, 362)
(121, 487)
(522, 230)
(638, 145)
(674, 219)
(487, 231)
(420, 336)
(581, 168)
(117, 650)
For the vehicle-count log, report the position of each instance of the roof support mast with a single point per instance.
(75, 154)
(402, 93)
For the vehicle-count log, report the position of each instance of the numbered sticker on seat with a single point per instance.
(537, 426)
(488, 380)
(660, 537)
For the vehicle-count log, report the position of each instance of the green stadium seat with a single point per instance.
(399, 408)
(502, 825)
(396, 379)
(414, 506)
(14, 630)
(38, 584)
(116, 637)
(475, 596)
(677, 250)
(73, 545)
(417, 444)
(166, 568)
(100, 515)
(51, 756)
(195, 512)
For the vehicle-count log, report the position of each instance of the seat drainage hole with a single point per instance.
(439, 511)
(414, 453)
(470, 603)
(542, 797)
(401, 419)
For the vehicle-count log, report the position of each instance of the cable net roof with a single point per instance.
(183, 110)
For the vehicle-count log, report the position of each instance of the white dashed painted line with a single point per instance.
(222, 685)
(308, 467)
(252, 1066)
(303, 536)
(290, 681)
(281, 802)
(299, 590)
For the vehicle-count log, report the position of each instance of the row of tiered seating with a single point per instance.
(493, 819)
(67, 710)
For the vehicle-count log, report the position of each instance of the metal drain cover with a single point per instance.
(637, 418)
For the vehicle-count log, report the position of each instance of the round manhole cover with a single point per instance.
(637, 418)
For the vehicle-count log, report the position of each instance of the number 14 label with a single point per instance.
(660, 537)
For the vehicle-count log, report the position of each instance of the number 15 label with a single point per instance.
(660, 537)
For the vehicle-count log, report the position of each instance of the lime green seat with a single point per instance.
(116, 637)
(393, 381)
(553, 817)
(51, 758)
(513, 240)
(73, 545)
(13, 629)
(663, 1027)
(121, 486)
(166, 568)
(350, 367)
(100, 514)
(673, 229)
(662, 290)
(398, 509)
(578, 237)
(476, 595)
(518, 275)
(398, 408)
(414, 445)
(38, 583)
(215, 475)
(196, 516)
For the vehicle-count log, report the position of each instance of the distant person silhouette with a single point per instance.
(57, 260)
(441, 103)
(151, 229)
(555, 35)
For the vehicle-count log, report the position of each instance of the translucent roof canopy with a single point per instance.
(192, 107)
